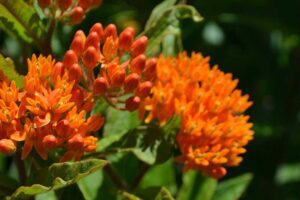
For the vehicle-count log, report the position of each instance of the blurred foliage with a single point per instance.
(257, 41)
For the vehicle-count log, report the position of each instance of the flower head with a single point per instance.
(213, 131)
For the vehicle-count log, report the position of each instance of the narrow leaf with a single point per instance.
(7, 66)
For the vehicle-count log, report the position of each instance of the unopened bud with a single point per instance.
(80, 33)
(150, 69)
(110, 30)
(76, 142)
(143, 89)
(98, 28)
(50, 142)
(75, 72)
(44, 3)
(131, 82)
(218, 172)
(64, 4)
(118, 76)
(100, 86)
(139, 46)
(57, 71)
(62, 128)
(85, 4)
(97, 2)
(90, 57)
(94, 123)
(92, 40)
(126, 39)
(77, 15)
(132, 103)
(77, 45)
(137, 65)
(7, 146)
(70, 58)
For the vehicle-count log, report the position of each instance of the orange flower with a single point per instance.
(213, 131)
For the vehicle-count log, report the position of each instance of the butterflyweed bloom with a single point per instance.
(68, 11)
(50, 112)
(112, 66)
(214, 130)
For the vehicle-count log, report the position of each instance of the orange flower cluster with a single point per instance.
(213, 131)
(70, 11)
(112, 66)
(49, 113)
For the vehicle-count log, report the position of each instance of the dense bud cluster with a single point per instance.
(69, 11)
(124, 73)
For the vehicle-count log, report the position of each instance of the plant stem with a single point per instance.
(47, 47)
(116, 179)
(136, 181)
(21, 168)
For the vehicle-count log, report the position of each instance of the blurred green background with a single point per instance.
(259, 42)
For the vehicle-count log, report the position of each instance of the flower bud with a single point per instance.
(139, 46)
(78, 95)
(75, 72)
(76, 142)
(132, 103)
(218, 172)
(92, 40)
(77, 15)
(98, 29)
(97, 2)
(131, 82)
(110, 30)
(77, 45)
(94, 123)
(7, 146)
(44, 3)
(118, 76)
(64, 4)
(62, 128)
(143, 89)
(100, 86)
(58, 70)
(137, 65)
(70, 58)
(50, 142)
(85, 4)
(150, 69)
(126, 39)
(90, 57)
(81, 34)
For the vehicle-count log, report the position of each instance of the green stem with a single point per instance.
(21, 168)
(116, 179)
(136, 181)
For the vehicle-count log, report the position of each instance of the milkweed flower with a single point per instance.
(214, 130)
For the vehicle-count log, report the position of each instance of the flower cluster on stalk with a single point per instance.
(214, 130)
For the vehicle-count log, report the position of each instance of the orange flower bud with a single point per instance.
(70, 58)
(90, 57)
(77, 95)
(7, 146)
(76, 142)
(77, 45)
(81, 34)
(92, 40)
(85, 4)
(110, 30)
(100, 86)
(98, 29)
(143, 89)
(139, 46)
(126, 39)
(50, 142)
(218, 172)
(94, 123)
(118, 76)
(132, 103)
(57, 71)
(44, 3)
(150, 69)
(64, 4)
(75, 72)
(131, 82)
(97, 2)
(77, 15)
(137, 65)
(62, 128)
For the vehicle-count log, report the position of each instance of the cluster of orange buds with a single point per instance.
(214, 130)
(69, 11)
(111, 66)
(50, 113)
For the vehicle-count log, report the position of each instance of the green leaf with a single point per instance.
(232, 188)
(288, 173)
(155, 193)
(7, 184)
(127, 196)
(89, 185)
(7, 66)
(21, 20)
(169, 24)
(158, 11)
(196, 186)
(60, 175)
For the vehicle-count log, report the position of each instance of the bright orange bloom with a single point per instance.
(213, 131)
